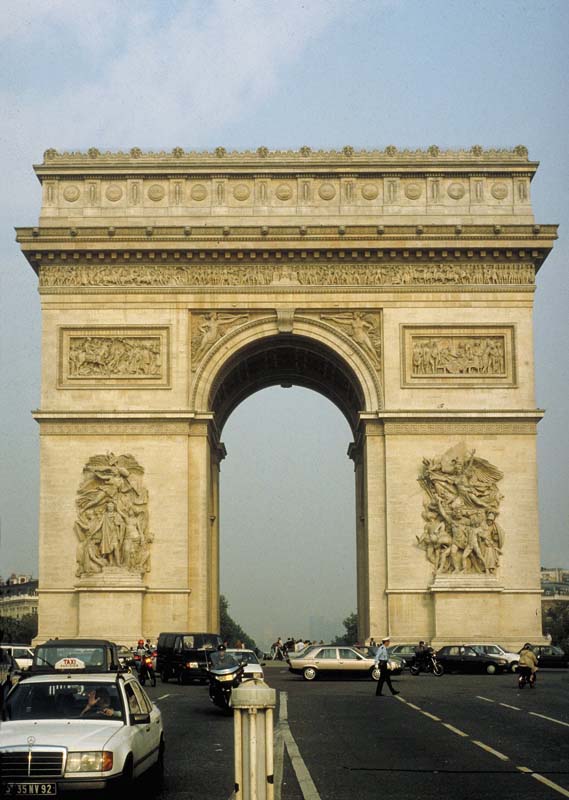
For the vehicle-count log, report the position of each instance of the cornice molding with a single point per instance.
(305, 157)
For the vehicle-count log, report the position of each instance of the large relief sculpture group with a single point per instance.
(112, 525)
(461, 533)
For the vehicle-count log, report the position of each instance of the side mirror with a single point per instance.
(140, 719)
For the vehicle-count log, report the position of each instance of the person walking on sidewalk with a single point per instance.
(382, 662)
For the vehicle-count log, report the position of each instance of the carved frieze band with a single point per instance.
(447, 356)
(460, 428)
(107, 428)
(107, 357)
(83, 276)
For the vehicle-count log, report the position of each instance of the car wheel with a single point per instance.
(490, 669)
(123, 787)
(157, 770)
(375, 673)
(309, 673)
(513, 666)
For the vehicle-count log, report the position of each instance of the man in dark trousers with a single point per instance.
(382, 661)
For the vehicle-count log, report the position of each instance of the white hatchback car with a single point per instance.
(22, 654)
(248, 658)
(78, 731)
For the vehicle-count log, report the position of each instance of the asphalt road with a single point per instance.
(456, 736)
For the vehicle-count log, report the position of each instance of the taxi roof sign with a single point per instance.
(69, 663)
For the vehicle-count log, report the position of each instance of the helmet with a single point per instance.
(141, 641)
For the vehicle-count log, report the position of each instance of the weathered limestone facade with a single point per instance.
(399, 285)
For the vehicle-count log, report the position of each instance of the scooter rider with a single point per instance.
(527, 665)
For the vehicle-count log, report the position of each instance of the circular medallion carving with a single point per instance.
(198, 192)
(113, 193)
(456, 191)
(156, 192)
(284, 191)
(327, 191)
(413, 191)
(370, 191)
(71, 193)
(499, 191)
(241, 192)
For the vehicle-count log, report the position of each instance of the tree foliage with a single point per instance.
(351, 634)
(555, 619)
(18, 631)
(231, 632)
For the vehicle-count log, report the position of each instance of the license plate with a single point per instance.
(29, 789)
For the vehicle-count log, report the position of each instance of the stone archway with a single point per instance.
(398, 284)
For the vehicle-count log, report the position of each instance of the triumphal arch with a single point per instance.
(398, 284)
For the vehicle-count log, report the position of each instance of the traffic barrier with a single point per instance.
(253, 703)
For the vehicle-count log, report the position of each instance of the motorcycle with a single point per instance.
(147, 670)
(428, 663)
(225, 673)
(526, 676)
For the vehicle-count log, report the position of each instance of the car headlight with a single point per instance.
(89, 761)
(258, 675)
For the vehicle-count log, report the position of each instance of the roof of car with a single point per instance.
(78, 643)
(68, 677)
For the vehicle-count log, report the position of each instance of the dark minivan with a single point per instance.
(183, 656)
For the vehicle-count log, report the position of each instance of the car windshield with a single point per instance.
(245, 656)
(77, 700)
(221, 659)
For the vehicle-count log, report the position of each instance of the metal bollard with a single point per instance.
(253, 703)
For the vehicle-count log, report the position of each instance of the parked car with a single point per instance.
(248, 658)
(405, 652)
(498, 650)
(338, 661)
(183, 656)
(463, 658)
(78, 730)
(22, 654)
(549, 655)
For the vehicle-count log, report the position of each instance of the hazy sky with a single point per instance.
(116, 74)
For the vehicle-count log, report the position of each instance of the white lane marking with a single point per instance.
(491, 750)
(278, 765)
(551, 719)
(163, 696)
(524, 769)
(285, 739)
(549, 783)
(486, 699)
(307, 787)
(412, 705)
(455, 730)
(431, 716)
(283, 707)
(514, 708)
